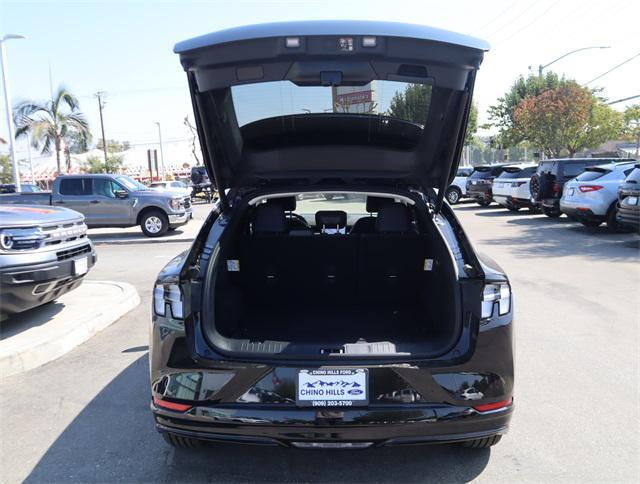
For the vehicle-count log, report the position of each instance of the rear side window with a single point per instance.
(591, 175)
(75, 186)
(634, 175)
(546, 166)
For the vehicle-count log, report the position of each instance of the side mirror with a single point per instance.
(121, 194)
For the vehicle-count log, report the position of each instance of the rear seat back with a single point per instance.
(391, 261)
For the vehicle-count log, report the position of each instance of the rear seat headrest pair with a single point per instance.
(392, 217)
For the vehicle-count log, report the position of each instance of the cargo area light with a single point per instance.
(369, 41)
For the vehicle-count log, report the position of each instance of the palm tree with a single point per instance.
(53, 124)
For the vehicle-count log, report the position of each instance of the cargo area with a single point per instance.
(295, 285)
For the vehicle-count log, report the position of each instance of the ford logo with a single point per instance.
(355, 391)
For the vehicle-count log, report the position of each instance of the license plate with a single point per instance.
(632, 200)
(571, 191)
(332, 388)
(80, 266)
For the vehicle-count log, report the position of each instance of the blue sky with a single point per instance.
(125, 48)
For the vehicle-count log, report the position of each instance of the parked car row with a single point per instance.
(112, 201)
(591, 191)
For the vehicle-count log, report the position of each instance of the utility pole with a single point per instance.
(7, 102)
(541, 67)
(101, 103)
(161, 155)
(33, 177)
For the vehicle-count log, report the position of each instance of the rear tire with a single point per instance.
(453, 195)
(513, 208)
(181, 442)
(154, 223)
(484, 443)
(551, 212)
(483, 203)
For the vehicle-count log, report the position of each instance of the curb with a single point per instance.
(146, 240)
(82, 328)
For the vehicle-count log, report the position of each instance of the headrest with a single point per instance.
(373, 203)
(269, 218)
(288, 204)
(331, 218)
(393, 217)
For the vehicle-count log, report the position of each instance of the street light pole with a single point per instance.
(161, 155)
(8, 109)
(541, 67)
(100, 95)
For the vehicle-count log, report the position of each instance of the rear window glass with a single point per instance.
(409, 102)
(482, 172)
(546, 166)
(75, 186)
(591, 175)
(464, 171)
(524, 173)
(571, 170)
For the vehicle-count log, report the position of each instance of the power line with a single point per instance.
(510, 22)
(623, 99)
(612, 69)
(526, 26)
(496, 17)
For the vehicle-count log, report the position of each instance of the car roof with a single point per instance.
(614, 166)
(330, 27)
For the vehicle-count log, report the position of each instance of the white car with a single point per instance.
(592, 197)
(171, 186)
(458, 188)
(511, 188)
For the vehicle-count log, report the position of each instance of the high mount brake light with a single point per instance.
(590, 188)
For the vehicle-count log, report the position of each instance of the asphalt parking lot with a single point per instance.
(85, 417)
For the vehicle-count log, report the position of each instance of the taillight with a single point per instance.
(168, 294)
(486, 407)
(499, 293)
(176, 407)
(557, 187)
(590, 188)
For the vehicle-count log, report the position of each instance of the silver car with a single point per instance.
(591, 197)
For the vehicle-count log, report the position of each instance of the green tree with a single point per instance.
(411, 104)
(569, 118)
(632, 125)
(96, 164)
(114, 146)
(53, 125)
(501, 114)
(6, 170)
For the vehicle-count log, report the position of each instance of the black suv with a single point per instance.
(315, 321)
(547, 183)
(629, 201)
(480, 182)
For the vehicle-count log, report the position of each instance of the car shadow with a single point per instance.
(32, 318)
(544, 236)
(113, 439)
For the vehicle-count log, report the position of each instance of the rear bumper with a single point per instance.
(481, 192)
(422, 424)
(629, 216)
(27, 286)
(508, 200)
(580, 213)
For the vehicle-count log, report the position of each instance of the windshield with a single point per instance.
(130, 183)
(409, 102)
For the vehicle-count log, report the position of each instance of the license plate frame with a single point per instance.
(81, 266)
(332, 387)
